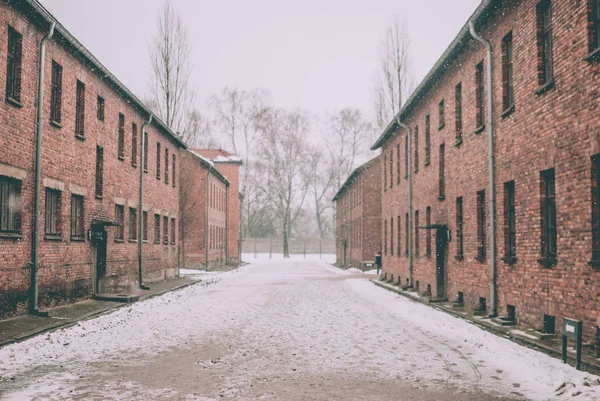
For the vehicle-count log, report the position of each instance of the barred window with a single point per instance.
(173, 230)
(459, 228)
(548, 217)
(427, 140)
(145, 225)
(158, 160)
(173, 170)
(120, 219)
(77, 218)
(417, 233)
(442, 118)
(14, 56)
(442, 176)
(479, 96)
(166, 166)
(407, 231)
(385, 236)
(392, 167)
(157, 228)
(80, 110)
(121, 144)
(99, 171)
(145, 151)
(593, 7)
(428, 232)
(595, 211)
(481, 252)
(133, 144)
(132, 224)
(416, 142)
(392, 236)
(165, 230)
(398, 163)
(100, 108)
(56, 93)
(10, 205)
(544, 42)
(52, 216)
(399, 240)
(509, 222)
(458, 111)
(507, 72)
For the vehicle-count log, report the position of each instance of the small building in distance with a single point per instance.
(358, 216)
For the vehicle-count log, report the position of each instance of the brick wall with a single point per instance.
(556, 129)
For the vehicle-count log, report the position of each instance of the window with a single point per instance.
(509, 222)
(459, 228)
(595, 212)
(406, 156)
(442, 179)
(157, 228)
(145, 151)
(593, 7)
(508, 100)
(427, 140)
(80, 110)
(479, 97)
(385, 237)
(100, 109)
(398, 163)
(417, 233)
(416, 148)
(165, 230)
(481, 226)
(56, 93)
(173, 171)
(407, 231)
(10, 206)
(173, 230)
(458, 112)
(99, 171)
(441, 115)
(399, 240)
(120, 219)
(428, 224)
(392, 236)
(548, 217)
(384, 171)
(145, 225)
(121, 148)
(544, 42)
(166, 166)
(158, 160)
(13, 66)
(133, 145)
(392, 167)
(132, 224)
(77, 218)
(52, 216)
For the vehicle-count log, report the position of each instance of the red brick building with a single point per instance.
(358, 216)
(90, 151)
(523, 213)
(210, 205)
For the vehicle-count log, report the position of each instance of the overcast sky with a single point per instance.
(318, 55)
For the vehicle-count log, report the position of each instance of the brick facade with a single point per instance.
(556, 126)
(67, 269)
(358, 216)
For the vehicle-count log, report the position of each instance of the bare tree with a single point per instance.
(170, 89)
(321, 176)
(199, 132)
(283, 159)
(257, 216)
(393, 80)
(346, 134)
(189, 199)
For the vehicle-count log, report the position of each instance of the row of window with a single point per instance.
(545, 81)
(355, 231)
(216, 237)
(216, 197)
(133, 226)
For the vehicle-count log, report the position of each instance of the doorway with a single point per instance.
(441, 248)
(99, 238)
(345, 252)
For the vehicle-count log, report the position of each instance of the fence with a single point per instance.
(298, 246)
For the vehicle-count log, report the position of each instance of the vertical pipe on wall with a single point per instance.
(141, 208)
(33, 303)
(410, 202)
(226, 224)
(491, 167)
(206, 230)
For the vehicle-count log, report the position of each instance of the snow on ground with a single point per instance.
(271, 330)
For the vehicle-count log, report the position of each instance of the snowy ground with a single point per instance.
(277, 329)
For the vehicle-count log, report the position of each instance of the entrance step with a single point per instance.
(125, 298)
(436, 300)
(502, 321)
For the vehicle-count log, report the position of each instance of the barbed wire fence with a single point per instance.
(297, 246)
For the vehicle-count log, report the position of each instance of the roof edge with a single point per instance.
(353, 174)
(211, 167)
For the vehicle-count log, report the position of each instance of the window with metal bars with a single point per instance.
(120, 220)
(459, 229)
(398, 163)
(99, 171)
(595, 262)
(145, 151)
(134, 146)
(385, 236)
(417, 233)
(427, 140)
(77, 218)
(406, 156)
(544, 42)
(100, 108)
(407, 231)
(481, 250)
(441, 115)
(384, 172)
(173, 231)
(80, 110)
(158, 161)
(508, 100)
(173, 181)
(593, 10)
(52, 217)
(391, 167)
(399, 239)
(145, 225)
(10, 206)
(458, 112)
(14, 56)
(157, 228)
(548, 218)
(166, 166)
(510, 234)
(479, 98)
(442, 173)
(132, 224)
(392, 236)
(428, 231)
(56, 93)
(165, 230)
(416, 144)
(121, 144)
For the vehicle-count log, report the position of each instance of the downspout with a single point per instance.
(206, 230)
(35, 242)
(410, 202)
(141, 209)
(227, 224)
(491, 168)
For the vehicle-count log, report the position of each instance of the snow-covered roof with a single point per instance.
(219, 156)
(210, 166)
(352, 176)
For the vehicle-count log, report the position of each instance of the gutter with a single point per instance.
(491, 167)
(35, 254)
(141, 208)
(410, 202)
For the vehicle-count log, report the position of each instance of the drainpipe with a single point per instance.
(141, 209)
(35, 242)
(410, 202)
(206, 232)
(227, 224)
(491, 168)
